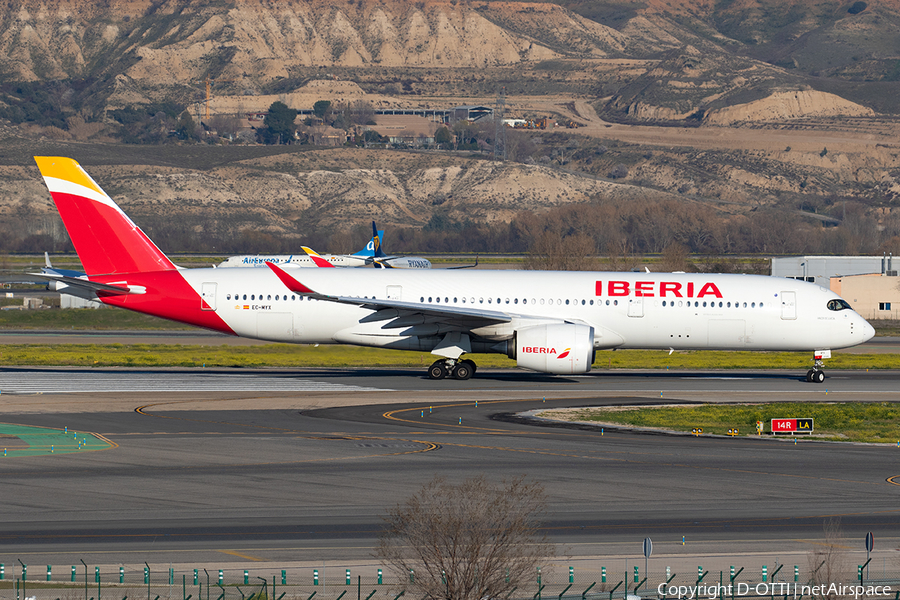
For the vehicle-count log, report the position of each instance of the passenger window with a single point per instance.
(269, 297)
(455, 301)
(253, 296)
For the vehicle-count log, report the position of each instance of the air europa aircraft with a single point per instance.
(547, 321)
(372, 255)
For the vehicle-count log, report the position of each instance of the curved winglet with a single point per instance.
(291, 283)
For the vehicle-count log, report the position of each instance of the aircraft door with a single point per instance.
(635, 307)
(395, 292)
(788, 305)
(208, 296)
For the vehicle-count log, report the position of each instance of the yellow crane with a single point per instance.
(208, 81)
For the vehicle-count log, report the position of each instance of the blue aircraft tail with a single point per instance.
(373, 248)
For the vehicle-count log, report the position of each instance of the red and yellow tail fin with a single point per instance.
(106, 240)
(317, 260)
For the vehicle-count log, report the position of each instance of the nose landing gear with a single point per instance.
(817, 374)
(458, 369)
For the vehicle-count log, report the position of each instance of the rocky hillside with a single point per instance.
(150, 50)
(178, 41)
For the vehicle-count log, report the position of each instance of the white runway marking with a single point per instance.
(12, 382)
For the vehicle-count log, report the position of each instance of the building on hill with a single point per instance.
(406, 130)
(471, 112)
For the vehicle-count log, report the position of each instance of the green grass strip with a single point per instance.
(846, 421)
(302, 355)
(176, 355)
(24, 440)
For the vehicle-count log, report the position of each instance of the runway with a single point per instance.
(303, 464)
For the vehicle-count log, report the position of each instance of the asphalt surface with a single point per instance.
(301, 464)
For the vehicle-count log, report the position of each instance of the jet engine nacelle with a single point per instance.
(563, 348)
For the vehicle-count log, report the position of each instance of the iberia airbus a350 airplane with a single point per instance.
(546, 321)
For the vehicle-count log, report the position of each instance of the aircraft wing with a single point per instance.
(399, 313)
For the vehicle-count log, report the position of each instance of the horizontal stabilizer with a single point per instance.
(87, 284)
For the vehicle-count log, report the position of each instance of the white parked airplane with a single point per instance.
(372, 255)
(547, 321)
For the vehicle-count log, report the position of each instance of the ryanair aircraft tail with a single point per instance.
(373, 248)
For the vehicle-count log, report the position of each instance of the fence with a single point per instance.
(575, 580)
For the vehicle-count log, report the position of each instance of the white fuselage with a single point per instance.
(626, 310)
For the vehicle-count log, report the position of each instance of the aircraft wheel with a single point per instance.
(463, 370)
(438, 370)
(818, 377)
(471, 364)
(809, 376)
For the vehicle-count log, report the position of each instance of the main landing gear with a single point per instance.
(458, 369)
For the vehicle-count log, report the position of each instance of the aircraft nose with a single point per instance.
(868, 332)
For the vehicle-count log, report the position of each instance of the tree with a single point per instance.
(278, 126)
(828, 562)
(466, 542)
(442, 136)
(675, 257)
(186, 128)
(618, 171)
(552, 251)
(322, 108)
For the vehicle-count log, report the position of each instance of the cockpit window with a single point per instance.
(838, 304)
